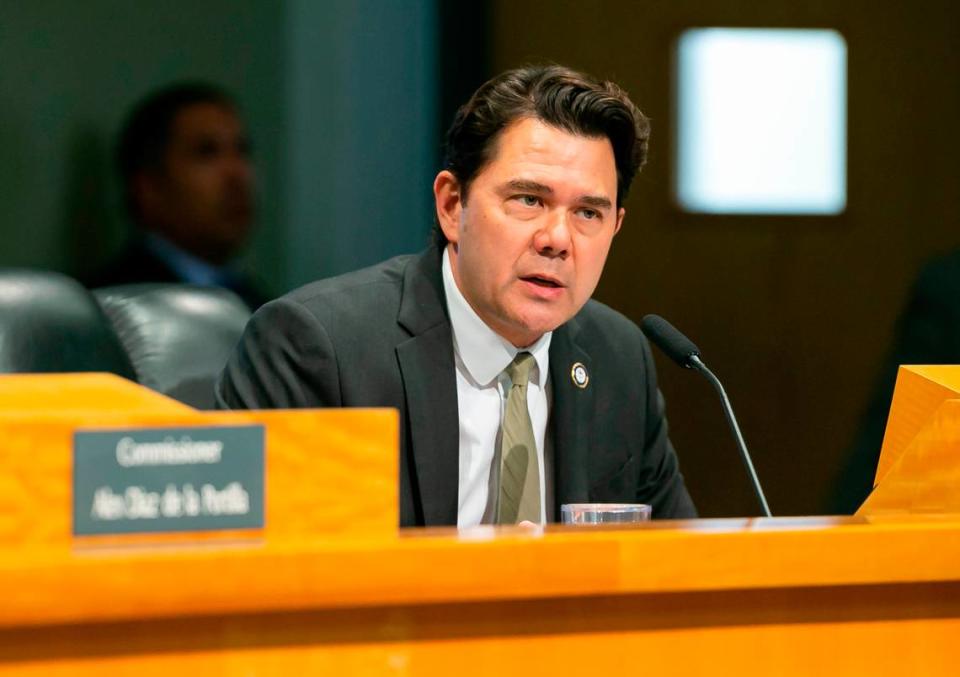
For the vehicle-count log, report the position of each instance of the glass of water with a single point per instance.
(604, 513)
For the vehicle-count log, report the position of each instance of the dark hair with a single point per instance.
(144, 137)
(561, 97)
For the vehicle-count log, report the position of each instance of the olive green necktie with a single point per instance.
(519, 470)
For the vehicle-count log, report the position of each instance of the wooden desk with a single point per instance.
(769, 596)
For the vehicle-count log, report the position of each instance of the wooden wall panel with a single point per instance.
(795, 314)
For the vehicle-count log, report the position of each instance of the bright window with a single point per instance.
(761, 122)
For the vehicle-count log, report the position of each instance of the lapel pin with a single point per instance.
(579, 375)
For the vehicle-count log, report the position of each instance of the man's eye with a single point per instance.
(590, 214)
(529, 200)
(206, 149)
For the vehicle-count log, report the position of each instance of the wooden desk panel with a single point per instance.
(780, 596)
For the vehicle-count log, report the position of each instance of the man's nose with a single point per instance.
(239, 167)
(553, 237)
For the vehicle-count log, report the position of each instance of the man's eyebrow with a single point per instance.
(528, 186)
(596, 201)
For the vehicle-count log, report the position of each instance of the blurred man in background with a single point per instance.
(184, 159)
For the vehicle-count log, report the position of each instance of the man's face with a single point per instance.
(202, 196)
(528, 245)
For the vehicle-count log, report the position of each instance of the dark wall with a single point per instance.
(71, 73)
(464, 30)
(795, 314)
(340, 98)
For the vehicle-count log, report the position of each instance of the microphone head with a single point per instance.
(668, 338)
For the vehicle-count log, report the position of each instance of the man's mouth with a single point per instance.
(541, 281)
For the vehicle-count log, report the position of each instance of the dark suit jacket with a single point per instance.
(138, 263)
(381, 337)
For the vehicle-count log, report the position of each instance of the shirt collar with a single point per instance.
(483, 352)
(190, 268)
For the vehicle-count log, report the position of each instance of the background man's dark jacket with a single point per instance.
(381, 337)
(138, 263)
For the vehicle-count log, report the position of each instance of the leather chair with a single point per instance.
(51, 323)
(177, 336)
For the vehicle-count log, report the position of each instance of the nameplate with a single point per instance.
(147, 480)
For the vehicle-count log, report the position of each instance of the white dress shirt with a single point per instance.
(481, 355)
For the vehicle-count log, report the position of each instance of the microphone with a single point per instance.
(684, 352)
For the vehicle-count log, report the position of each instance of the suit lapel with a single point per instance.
(570, 417)
(430, 387)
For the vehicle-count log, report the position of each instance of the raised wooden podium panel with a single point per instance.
(919, 392)
(766, 596)
(919, 467)
(925, 478)
(326, 472)
(36, 394)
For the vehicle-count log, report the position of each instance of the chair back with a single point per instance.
(50, 323)
(177, 336)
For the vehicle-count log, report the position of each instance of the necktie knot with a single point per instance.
(519, 370)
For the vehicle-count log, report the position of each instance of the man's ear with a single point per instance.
(620, 214)
(447, 195)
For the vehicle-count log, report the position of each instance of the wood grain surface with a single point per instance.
(766, 596)
(327, 471)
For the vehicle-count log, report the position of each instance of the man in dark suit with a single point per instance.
(184, 160)
(516, 392)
